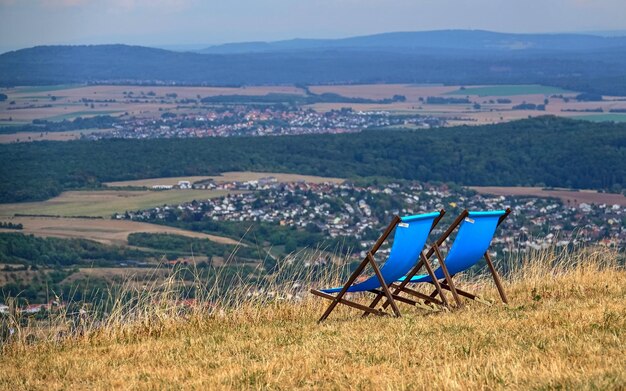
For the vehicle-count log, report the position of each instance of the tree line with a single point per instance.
(578, 70)
(544, 151)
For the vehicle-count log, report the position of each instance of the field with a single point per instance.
(490, 110)
(48, 136)
(45, 89)
(509, 90)
(240, 176)
(563, 329)
(37, 102)
(105, 231)
(567, 196)
(151, 101)
(613, 117)
(104, 203)
(82, 113)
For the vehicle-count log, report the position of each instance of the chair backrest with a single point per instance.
(472, 241)
(408, 241)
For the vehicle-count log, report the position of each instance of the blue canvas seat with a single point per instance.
(475, 232)
(411, 234)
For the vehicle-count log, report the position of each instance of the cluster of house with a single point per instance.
(361, 212)
(250, 121)
(32, 309)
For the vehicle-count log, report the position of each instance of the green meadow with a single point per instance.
(85, 113)
(509, 90)
(40, 89)
(608, 117)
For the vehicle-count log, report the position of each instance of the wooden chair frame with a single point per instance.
(383, 292)
(446, 283)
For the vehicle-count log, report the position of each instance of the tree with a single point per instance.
(290, 245)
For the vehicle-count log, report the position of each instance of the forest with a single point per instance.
(600, 70)
(543, 151)
(36, 268)
(28, 250)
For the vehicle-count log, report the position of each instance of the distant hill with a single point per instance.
(442, 39)
(576, 62)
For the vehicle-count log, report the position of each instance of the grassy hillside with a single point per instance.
(564, 329)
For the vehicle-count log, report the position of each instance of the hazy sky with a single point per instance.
(25, 23)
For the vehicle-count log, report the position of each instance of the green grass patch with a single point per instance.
(39, 89)
(86, 113)
(609, 117)
(46, 97)
(509, 90)
(106, 202)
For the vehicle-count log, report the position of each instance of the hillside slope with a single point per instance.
(442, 39)
(576, 62)
(564, 329)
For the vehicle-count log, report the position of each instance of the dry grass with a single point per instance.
(564, 329)
(33, 102)
(462, 114)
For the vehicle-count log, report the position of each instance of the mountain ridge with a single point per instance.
(573, 62)
(452, 39)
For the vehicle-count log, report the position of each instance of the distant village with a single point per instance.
(349, 210)
(242, 120)
(361, 212)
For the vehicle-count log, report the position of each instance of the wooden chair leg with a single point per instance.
(435, 282)
(343, 291)
(397, 288)
(402, 287)
(359, 269)
(448, 278)
(426, 298)
(383, 284)
(496, 278)
(348, 303)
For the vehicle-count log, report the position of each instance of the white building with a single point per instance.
(184, 184)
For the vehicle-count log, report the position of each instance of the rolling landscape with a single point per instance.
(165, 214)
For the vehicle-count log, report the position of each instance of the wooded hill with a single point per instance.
(545, 151)
(578, 62)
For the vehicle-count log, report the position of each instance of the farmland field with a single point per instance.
(609, 117)
(105, 231)
(128, 101)
(382, 91)
(83, 113)
(104, 203)
(508, 90)
(45, 89)
(48, 136)
(241, 176)
(567, 196)
(41, 102)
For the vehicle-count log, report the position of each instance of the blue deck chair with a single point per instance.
(410, 237)
(476, 230)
